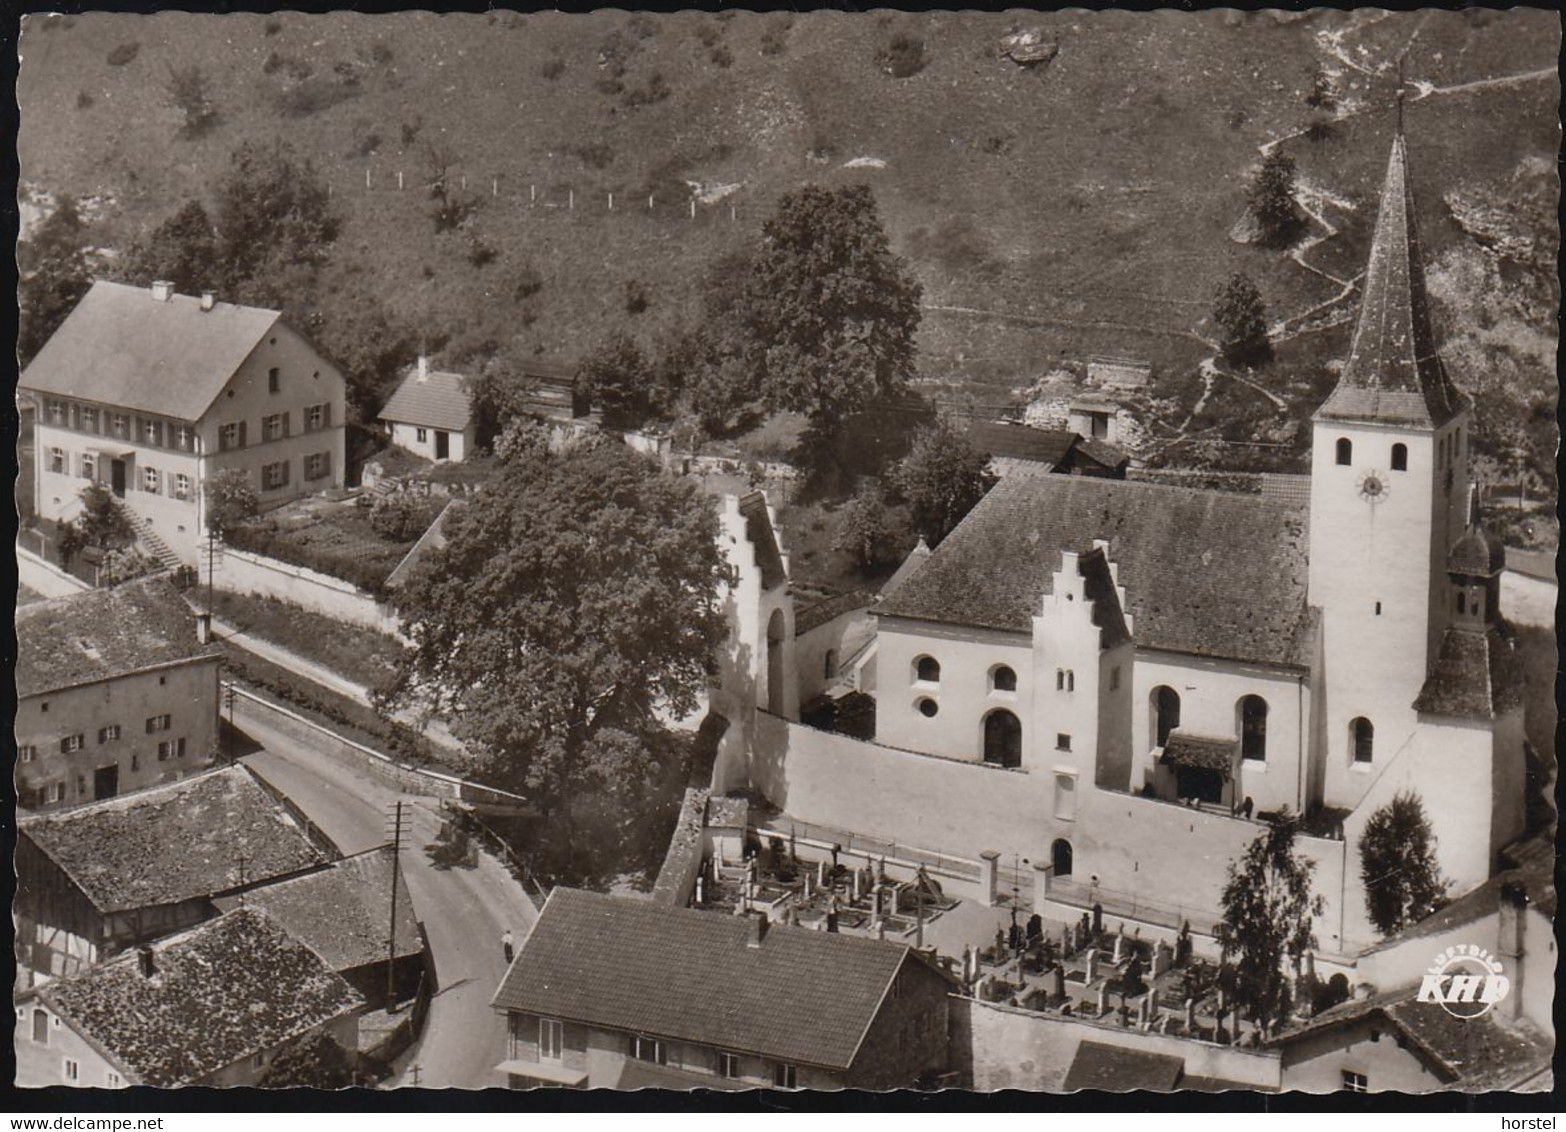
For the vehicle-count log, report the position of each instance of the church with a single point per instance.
(1108, 686)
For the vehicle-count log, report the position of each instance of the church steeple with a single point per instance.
(1394, 374)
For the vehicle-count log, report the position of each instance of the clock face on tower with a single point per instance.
(1373, 487)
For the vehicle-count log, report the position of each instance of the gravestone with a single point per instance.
(1120, 946)
(1059, 983)
(1092, 964)
(1098, 918)
(1103, 1000)
(1190, 1015)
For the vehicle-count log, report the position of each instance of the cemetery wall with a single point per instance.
(1002, 1047)
(44, 577)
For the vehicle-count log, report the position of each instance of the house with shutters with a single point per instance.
(150, 393)
(115, 691)
(626, 993)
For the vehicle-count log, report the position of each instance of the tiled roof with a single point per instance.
(198, 837)
(1478, 553)
(100, 634)
(1205, 572)
(817, 615)
(122, 347)
(1102, 453)
(645, 1075)
(758, 529)
(1116, 1069)
(916, 558)
(1002, 440)
(677, 973)
(440, 401)
(342, 912)
(1394, 373)
(226, 990)
(1475, 676)
(1206, 752)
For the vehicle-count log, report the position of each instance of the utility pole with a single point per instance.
(391, 946)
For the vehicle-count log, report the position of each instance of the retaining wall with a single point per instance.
(45, 577)
(242, 571)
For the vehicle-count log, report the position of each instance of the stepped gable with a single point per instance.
(1205, 573)
(1394, 374)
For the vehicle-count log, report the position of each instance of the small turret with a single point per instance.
(1474, 566)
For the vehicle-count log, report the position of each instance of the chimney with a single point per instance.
(424, 368)
(203, 628)
(162, 291)
(146, 962)
(758, 930)
(207, 299)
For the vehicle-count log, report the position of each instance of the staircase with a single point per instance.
(151, 541)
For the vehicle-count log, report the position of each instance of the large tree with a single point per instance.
(1397, 862)
(1267, 910)
(621, 380)
(831, 310)
(273, 211)
(1272, 200)
(1241, 316)
(182, 249)
(942, 477)
(869, 533)
(52, 276)
(575, 595)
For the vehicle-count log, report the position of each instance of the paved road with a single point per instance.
(463, 910)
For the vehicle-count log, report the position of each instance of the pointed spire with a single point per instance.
(1394, 373)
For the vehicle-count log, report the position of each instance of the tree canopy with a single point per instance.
(1272, 200)
(943, 477)
(1398, 865)
(231, 499)
(1242, 319)
(573, 597)
(831, 310)
(869, 533)
(1267, 909)
(52, 277)
(622, 381)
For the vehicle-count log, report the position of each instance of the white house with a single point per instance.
(431, 414)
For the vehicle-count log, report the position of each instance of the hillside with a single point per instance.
(1081, 206)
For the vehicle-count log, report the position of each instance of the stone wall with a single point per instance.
(44, 577)
(240, 571)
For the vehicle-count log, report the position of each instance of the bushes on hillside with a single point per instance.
(402, 517)
(902, 57)
(123, 54)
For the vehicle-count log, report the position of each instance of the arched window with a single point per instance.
(1060, 857)
(1364, 737)
(1071, 680)
(1166, 713)
(1003, 679)
(1400, 457)
(1002, 739)
(829, 666)
(1060, 679)
(927, 670)
(1345, 450)
(1462, 601)
(1253, 728)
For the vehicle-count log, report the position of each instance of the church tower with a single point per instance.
(1389, 494)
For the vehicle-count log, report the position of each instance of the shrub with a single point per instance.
(367, 145)
(273, 27)
(903, 57)
(708, 34)
(636, 300)
(595, 155)
(83, 100)
(380, 54)
(263, 539)
(528, 282)
(644, 26)
(123, 54)
(480, 253)
(410, 130)
(311, 97)
(272, 63)
(722, 56)
(655, 90)
(401, 517)
(774, 41)
(553, 69)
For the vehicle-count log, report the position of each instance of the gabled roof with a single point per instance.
(1101, 453)
(102, 634)
(191, 839)
(439, 399)
(341, 913)
(1476, 675)
(226, 990)
(1394, 373)
(1201, 751)
(122, 347)
(1117, 1069)
(1206, 573)
(916, 558)
(677, 973)
(1006, 441)
(814, 616)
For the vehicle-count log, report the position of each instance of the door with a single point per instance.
(1002, 739)
(442, 445)
(117, 478)
(106, 781)
(1199, 782)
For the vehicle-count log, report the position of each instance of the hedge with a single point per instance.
(368, 575)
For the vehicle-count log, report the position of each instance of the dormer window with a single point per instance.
(1345, 450)
(1400, 457)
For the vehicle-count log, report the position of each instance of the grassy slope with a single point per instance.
(1094, 196)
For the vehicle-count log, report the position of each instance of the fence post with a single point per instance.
(611, 202)
(649, 202)
(693, 208)
(399, 180)
(494, 186)
(532, 194)
(570, 200)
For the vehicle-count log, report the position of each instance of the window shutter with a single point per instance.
(286, 423)
(326, 415)
(241, 434)
(326, 463)
(287, 464)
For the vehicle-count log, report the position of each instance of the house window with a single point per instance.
(648, 1049)
(317, 417)
(274, 476)
(421, 435)
(89, 420)
(551, 1039)
(56, 411)
(1062, 741)
(1114, 679)
(57, 460)
(171, 749)
(54, 792)
(89, 466)
(275, 426)
(1457, 442)
(181, 486)
(1071, 680)
(183, 438)
(927, 670)
(274, 380)
(112, 1079)
(1060, 679)
(73, 1071)
(258, 1061)
(927, 707)
(317, 465)
(135, 761)
(152, 433)
(1364, 736)
(784, 1076)
(1345, 450)
(1003, 679)
(71, 744)
(230, 436)
(1400, 457)
(109, 734)
(40, 1026)
(156, 723)
(1253, 728)
(1355, 1082)
(728, 1065)
(1066, 797)
(121, 426)
(149, 480)
(26, 753)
